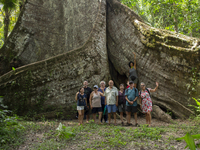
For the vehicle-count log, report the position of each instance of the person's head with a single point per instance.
(111, 83)
(85, 83)
(131, 84)
(81, 90)
(95, 88)
(131, 64)
(127, 82)
(121, 87)
(142, 85)
(103, 84)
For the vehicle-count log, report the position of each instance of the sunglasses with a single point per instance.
(142, 85)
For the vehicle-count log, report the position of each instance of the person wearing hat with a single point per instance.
(131, 95)
(132, 71)
(95, 103)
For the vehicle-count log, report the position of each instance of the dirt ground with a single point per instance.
(93, 136)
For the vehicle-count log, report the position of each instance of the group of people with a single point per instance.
(102, 100)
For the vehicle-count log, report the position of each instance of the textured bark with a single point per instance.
(63, 43)
(160, 114)
(162, 56)
(60, 76)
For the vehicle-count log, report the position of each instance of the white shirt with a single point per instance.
(111, 95)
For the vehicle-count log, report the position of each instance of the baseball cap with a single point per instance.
(96, 86)
(131, 82)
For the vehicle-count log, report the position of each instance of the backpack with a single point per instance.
(147, 91)
(135, 91)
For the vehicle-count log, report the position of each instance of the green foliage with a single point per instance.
(197, 108)
(181, 16)
(8, 4)
(189, 139)
(10, 129)
(8, 18)
(64, 132)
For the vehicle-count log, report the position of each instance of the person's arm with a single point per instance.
(76, 96)
(105, 101)
(128, 100)
(91, 100)
(155, 89)
(101, 94)
(117, 100)
(134, 60)
(140, 102)
(135, 99)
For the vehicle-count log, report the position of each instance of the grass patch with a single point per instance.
(43, 135)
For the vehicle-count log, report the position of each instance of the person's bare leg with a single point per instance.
(79, 117)
(149, 118)
(87, 117)
(121, 116)
(127, 116)
(109, 117)
(115, 117)
(135, 85)
(82, 112)
(100, 115)
(135, 116)
(146, 116)
(94, 117)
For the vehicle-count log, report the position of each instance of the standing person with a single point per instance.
(102, 90)
(132, 71)
(131, 95)
(95, 103)
(87, 91)
(111, 99)
(121, 102)
(81, 102)
(146, 102)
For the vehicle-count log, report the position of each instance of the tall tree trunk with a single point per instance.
(6, 24)
(175, 20)
(176, 25)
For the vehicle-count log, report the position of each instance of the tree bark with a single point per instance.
(59, 54)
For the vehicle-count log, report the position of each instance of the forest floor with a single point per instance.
(42, 135)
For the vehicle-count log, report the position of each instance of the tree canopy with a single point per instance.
(181, 16)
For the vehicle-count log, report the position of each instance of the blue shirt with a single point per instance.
(81, 99)
(131, 95)
(102, 97)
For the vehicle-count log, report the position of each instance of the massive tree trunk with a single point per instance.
(63, 43)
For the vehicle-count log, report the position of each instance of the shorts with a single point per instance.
(134, 81)
(122, 108)
(96, 110)
(80, 107)
(112, 108)
(131, 109)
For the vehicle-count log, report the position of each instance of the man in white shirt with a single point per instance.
(111, 100)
